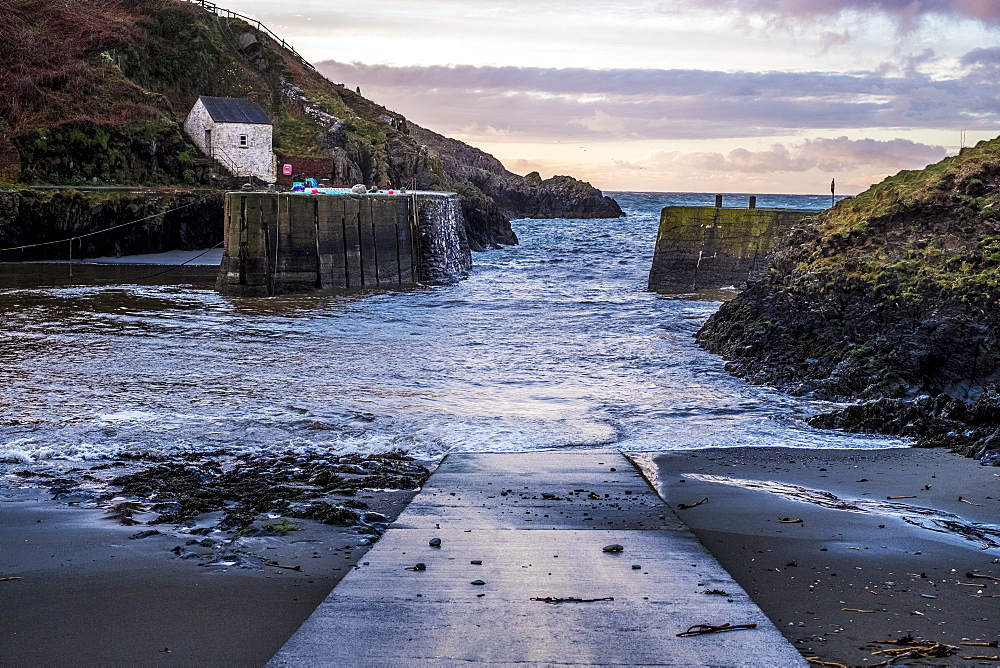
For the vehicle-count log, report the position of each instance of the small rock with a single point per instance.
(434, 542)
(636, 567)
(185, 554)
(144, 534)
(478, 582)
(614, 547)
(991, 458)
(420, 566)
(477, 562)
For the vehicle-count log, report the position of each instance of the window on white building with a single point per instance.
(244, 141)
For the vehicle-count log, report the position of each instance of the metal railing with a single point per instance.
(223, 158)
(254, 23)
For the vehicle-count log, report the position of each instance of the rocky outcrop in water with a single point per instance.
(890, 298)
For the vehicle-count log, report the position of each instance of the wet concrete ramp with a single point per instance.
(521, 577)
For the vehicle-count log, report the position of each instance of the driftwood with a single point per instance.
(703, 629)
(570, 599)
(815, 660)
(274, 564)
(914, 649)
(685, 506)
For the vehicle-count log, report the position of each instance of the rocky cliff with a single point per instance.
(95, 93)
(892, 298)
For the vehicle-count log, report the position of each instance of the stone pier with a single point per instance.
(700, 248)
(280, 243)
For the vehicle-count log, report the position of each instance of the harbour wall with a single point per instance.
(699, 248)
(281, 243)
(48, 223)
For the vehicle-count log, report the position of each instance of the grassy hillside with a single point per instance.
(97, 91)
(919, 231)
(892, 297)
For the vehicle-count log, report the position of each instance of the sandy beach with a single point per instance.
(77, 588)
(833, 561)
(810, 534)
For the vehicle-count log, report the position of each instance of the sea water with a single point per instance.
(554, 343)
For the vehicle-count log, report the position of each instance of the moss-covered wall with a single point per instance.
(704, 247)
(175, 219)
(10, 162)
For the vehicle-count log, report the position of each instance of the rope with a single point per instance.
(417, 261)
(90, 234)
(277, 238)
(176, 266)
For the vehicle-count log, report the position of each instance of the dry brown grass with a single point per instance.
(53, 70)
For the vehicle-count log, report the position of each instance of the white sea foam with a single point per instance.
(525, 354)
(28, 450)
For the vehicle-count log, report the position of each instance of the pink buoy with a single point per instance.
(391, 192)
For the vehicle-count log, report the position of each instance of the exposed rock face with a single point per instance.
(891, 298)
(97, 93)
(556, 197)
(175, 219)
(491, 193)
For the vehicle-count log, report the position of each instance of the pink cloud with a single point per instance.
(906, 13)
(677, 104)
(822, 154)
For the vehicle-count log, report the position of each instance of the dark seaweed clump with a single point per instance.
(294, 485)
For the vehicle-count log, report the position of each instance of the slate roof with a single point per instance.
(235, 110)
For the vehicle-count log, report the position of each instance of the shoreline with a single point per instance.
(834, 580)
(90, 593)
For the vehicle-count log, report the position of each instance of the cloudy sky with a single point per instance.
(763, 96)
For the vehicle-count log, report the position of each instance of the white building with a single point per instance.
(237, 133)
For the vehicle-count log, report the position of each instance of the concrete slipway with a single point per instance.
(538, 523)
